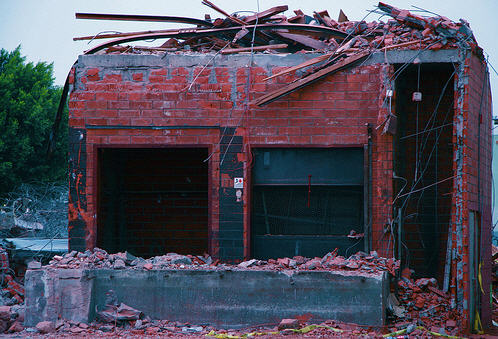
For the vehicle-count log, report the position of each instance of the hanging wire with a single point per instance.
(204, 67)
(246, 99)
(425, 143)
(416, 124)
(102, 32)
(425, 10)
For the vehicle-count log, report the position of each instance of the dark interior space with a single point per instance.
(424, 161)
(306, 201)
(153, 201)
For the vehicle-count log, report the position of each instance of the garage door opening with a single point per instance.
(307, 201)
(153, 201)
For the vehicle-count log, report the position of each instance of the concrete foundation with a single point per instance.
(226, 298)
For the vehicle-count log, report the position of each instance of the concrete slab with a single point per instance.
(53, 294)
(225, 298)
(141, 61)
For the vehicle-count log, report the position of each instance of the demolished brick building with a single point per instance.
(379, 140)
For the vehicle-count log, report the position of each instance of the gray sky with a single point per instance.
(45, 28)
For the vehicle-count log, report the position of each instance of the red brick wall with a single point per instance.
(331, 112)
(477, 179)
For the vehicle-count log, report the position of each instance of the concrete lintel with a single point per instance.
(191, 60)
(409, 56)
(139, 61)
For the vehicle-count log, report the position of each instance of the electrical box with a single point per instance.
(417, 96)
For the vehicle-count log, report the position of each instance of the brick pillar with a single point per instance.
(231, 229)
(77, 207)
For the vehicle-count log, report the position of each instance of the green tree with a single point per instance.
(28, 103)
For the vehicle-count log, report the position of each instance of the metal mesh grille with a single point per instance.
(292, 210)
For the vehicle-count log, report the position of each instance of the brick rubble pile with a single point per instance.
(11, 297)
(99, 258)
(423, 304)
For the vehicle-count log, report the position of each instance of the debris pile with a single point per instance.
(274, 32)
(11, 298)
(99, 258)
(12, 292)
(421, 303)
(421, 309)
(360, 262)
(148, 327)
(115, 311)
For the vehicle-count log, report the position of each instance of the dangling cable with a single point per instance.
(416, 131)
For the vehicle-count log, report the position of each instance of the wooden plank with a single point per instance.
(438, 292)
(150, 48)
(409, 18)
(209, 32)
(274, 95)
(265, 37)
(266, 14)
(149, 18)
(324, 18)
(298, 19)
(345, 47)
(307, 63)
(255, 48)
(303, 40)
(219, 10)
(404, 44)
(122, 35)
(314, 60)
(331, 32)
(220, 43)
(319, 17)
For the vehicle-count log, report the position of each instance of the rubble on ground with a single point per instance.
(146, 327)
(115, 311)
(419, 307)
(11, 298)
(422, 304)
(12, 292)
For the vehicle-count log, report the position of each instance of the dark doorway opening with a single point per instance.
(306, 201)
(424, 165)
(152, 201)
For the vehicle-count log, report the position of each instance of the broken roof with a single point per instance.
(272, 32)
(343, 43)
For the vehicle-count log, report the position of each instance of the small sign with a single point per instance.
(238, 183)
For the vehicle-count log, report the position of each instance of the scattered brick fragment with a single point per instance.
(45, 327)
(288, 323)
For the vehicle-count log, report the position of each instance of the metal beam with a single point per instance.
(150, 18)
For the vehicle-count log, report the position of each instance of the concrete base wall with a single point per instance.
(222, 298)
